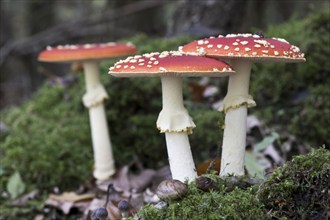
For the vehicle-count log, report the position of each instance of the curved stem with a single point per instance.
(103, 157)
(234, 138)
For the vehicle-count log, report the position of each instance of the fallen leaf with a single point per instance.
(24, 198)
(71, 197)
(15, 185)
(64, 206)
(141, 181)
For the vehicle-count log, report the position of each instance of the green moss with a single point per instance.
(299, 189)
(286, 93)
(216, 204)
(42, 142)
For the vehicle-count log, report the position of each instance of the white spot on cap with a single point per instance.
(257, 45)
(118, 66)
(263, 42)
(141, 60)
(133, 61)
(280, 39)
(265, 51)
(215, 70)
(141, 64)
(149, 66)
(130, 44)
(73, 47)
(247, 49)
(244, 42)
(201, 51)
(87, 46)
(276, 53)
(132, 67)
(49, 48)
(235, 43)
(226, 47)
(209, 46)
(111, 68)
(126, 66)
(219, 46)
(236, 49)
(200, 42)
(156, 62)
(254, 53)
(162, 69)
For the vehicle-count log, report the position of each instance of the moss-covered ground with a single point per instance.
(298, 190)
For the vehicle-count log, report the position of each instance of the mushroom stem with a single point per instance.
(236, 101)
(175, 121)
(93, 99)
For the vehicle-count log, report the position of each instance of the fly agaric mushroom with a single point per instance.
(174, 119)
(89, 55)
(240, 51)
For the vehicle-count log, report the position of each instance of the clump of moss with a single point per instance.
(300, 188)
(222, 203)
(47, 140)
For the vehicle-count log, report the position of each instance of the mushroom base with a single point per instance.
(104, 162)
(234, 142)
(180, 157)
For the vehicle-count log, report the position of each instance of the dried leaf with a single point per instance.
(23, 199)
(113, 211)
(141, 181)
(71, 197)
(121, 180)
(203, 167)
(15, 185)
(64, 206)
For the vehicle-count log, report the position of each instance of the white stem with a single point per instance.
(172, 94)
(180, 157)
(234, 138)
(103, 157)
(178, 147)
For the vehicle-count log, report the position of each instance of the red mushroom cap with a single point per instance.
(83, 52)
(245, 46)
(169, 63)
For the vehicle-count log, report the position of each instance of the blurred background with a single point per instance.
(27, 27)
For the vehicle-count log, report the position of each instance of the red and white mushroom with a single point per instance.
(89, 55)
(173, 119)
(240, 50)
